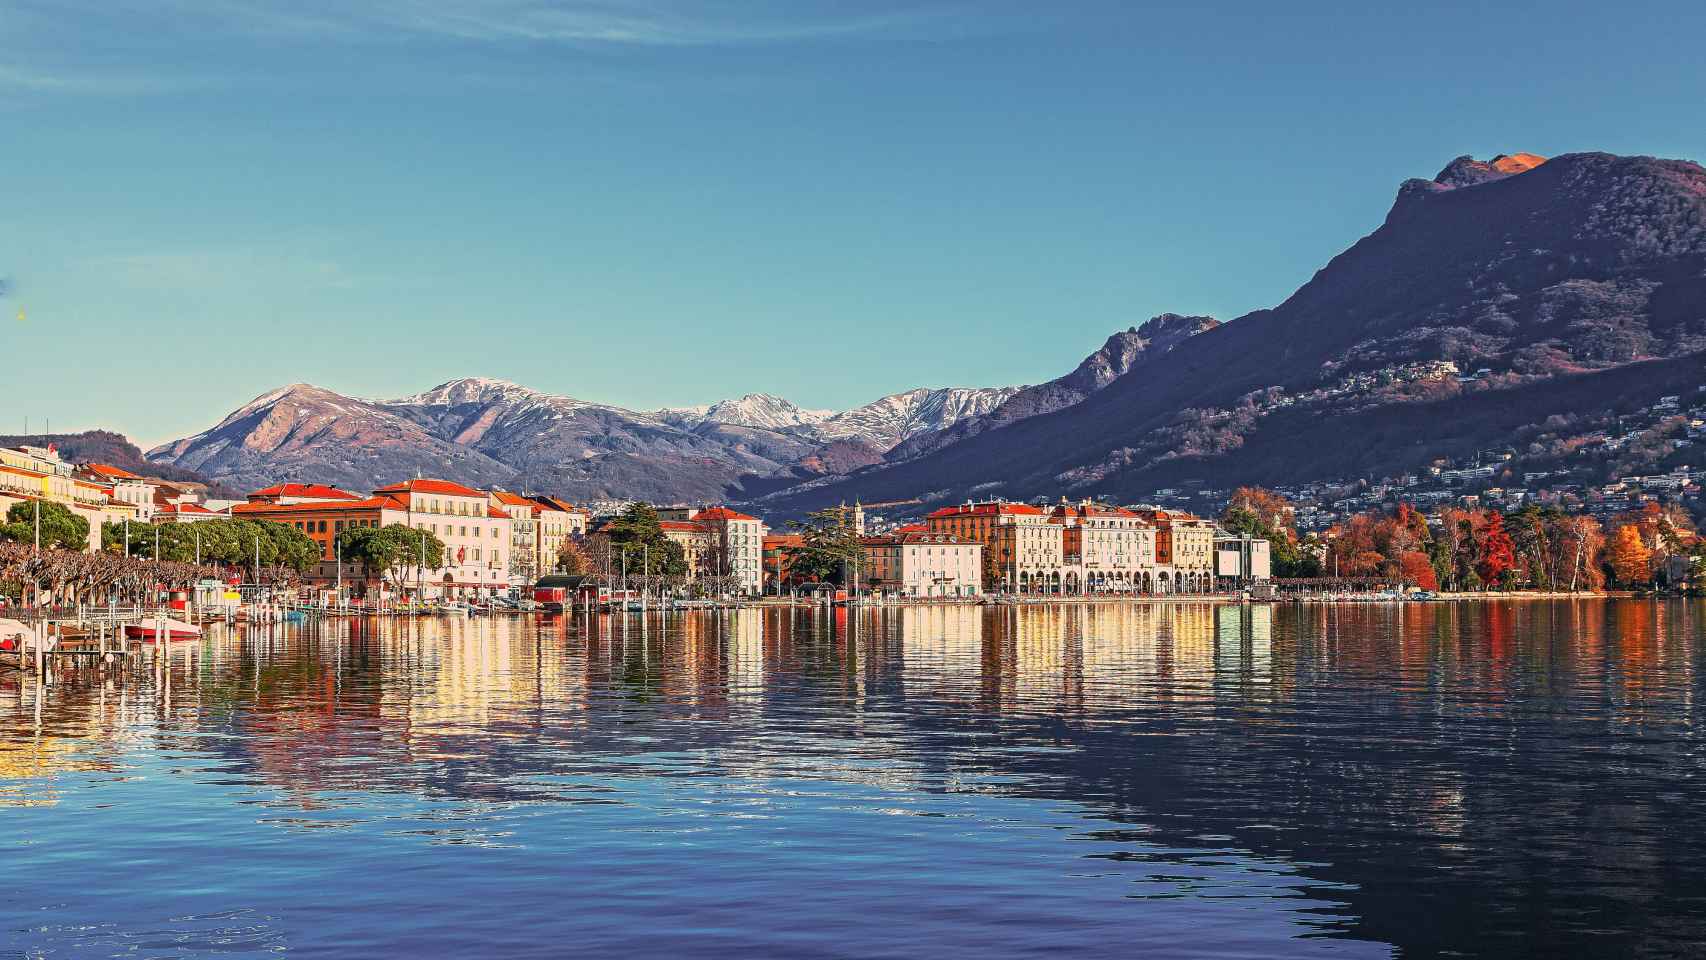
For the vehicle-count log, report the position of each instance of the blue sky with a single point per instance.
(651, 202)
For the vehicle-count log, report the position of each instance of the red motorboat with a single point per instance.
(13, 635)
(150, 630)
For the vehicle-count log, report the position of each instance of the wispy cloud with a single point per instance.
(614, 22)
(200, 271)
(74, 80)
(153, 46)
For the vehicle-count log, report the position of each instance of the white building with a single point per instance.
(476, 537)
(923, 564)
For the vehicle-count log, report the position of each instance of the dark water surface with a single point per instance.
(1141, 780)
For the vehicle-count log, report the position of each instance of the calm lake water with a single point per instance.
(1134, 780)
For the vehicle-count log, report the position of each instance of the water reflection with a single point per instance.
(1480, 779)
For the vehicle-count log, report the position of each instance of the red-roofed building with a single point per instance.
(477, 544)
(102, 471)
(735, 543)
(301, 493)
(1023, 551)
(1107, 549)
(476, 533)
(125, 488)
(184, 511)
(777, 547)
(923, 564)
(322, 521)
(1184, 550)
(429, 487)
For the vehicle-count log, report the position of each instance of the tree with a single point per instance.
(60, 528)
(1582, 543)
(639, 548)
(388, 552)
(572, 559)
(1495, 553)
(278, 547)
(1263, 514)
(1271, 511)
(830, 550)
(1415, 569)
(1630, 558)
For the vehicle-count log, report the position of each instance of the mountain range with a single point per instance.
(1511, 303)
(492, 432)
(1512, 300)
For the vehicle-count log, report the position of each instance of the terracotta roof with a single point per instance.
(1083, 511)
(111, 472)
(514, 499)
(185, 508)
(913, 528)
(305, 491)
(496, 514)
(987, 509)
(784, 540)
(371, 503)
(721, 513)
(431, 486)
(681, 526)
(552, 503)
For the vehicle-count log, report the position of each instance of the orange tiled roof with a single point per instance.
(496, 514)
(371, 503)
(109, 471)
(721, 513)
(445, 487)
(305, 491)
(987, 509)
(913, 528)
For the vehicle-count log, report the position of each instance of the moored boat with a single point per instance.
(15, 636)
(151, 630)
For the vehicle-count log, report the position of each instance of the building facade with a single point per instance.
(1107, 549)
(475, 534)
(923, 564)
(1023, 551)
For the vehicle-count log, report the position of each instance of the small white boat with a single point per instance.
(16, 636)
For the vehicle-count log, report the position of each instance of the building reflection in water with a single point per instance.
(1471, 759)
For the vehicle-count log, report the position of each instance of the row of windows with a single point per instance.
(450, 530)
(461, 508)
(338, 526)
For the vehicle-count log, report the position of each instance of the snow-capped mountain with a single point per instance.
(485, 431)
(894, 418)
(752, 410)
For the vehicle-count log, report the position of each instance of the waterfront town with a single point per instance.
(474, 545)
(433, 541)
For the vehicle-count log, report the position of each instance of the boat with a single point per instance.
(149, 630)
(16, 636)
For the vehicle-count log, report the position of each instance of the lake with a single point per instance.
(1128, 779)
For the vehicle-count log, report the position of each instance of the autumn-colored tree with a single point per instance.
(1270, 509)
(1581, 542)
(1495, 554)
(1415, 570)
(1630, 558)
(572, 559)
